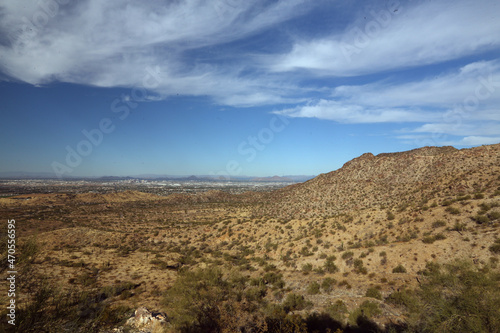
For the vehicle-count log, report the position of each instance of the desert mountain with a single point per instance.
(388, 179)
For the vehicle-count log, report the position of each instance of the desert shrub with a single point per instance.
(275, 279)
(329, 266)
(428, 239)
(347, 255)
(374, 293)
(390, 216)
(367, 309)
(359, 268)
(480, 219)
(405, 298)
(28, 251)
(305, 252)
(294, 302)
(358, 263)
(344, 283)
(495, 215)
(456, 297)
(255, 294)
(478, 196)
(313, 288)
(453, 210)
(277, 320)
(399, 269)
(446, 202)
(439, 236)
(438, 224)
(307, 268)
(327, 284)
(459, 226)
(433, 238)
(204, 301)
(484, 208)
(337, 310)
(495, 247)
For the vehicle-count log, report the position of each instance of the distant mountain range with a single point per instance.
(155, 177)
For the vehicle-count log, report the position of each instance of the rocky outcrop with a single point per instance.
(144, 321)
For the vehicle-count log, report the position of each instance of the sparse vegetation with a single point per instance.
(223, 263)
(458, 298)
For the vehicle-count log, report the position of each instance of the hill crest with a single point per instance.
(388, 179)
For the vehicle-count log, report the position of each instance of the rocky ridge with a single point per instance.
(387, 179)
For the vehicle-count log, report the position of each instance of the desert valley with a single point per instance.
(397, 242)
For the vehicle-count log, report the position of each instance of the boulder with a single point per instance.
(145, 319)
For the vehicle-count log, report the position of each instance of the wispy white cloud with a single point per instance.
(478, 80)
(110, 43)
(464, 102)
(476, 141)
(471, 92)
(400, 36)
(343, 112)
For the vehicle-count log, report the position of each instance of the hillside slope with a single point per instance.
(388, 180)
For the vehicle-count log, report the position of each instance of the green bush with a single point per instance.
(255, 293)
(459, 226)
(480, 219)
(313, 288)
(347, 255)
(367, 309)
(438, 224)
(330, 266)
(276, 279)
(456, 297)
(399, 269)
(439, 236)
(432, 239)
(204, 301)
(495, 247)
(307, 268)
(374, 293)
(453, 210)
(294, 302)
(337, 310)
(495, 215)
(327, 284)
(405, 298)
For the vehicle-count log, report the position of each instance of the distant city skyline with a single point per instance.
(231, 87)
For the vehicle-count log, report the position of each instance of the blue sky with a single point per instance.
(233, 87)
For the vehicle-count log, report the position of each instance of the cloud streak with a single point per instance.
(461, 103)
(401, 35)
(197, 48)
(109, 44)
